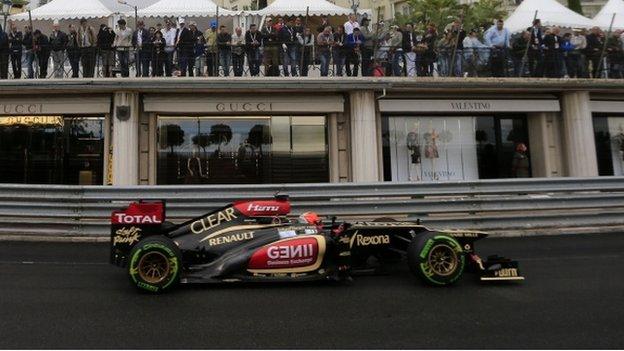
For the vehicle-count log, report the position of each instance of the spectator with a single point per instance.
(425, 53)
(307, 42)
(169, 34)
(140, 38)
(86, 37)
(324, 23)
(238, 52)
(196, 62)
(16, 44)
(457, 36)
(211, 50)
(270, 44)
(535, 53)
(354, 44)
(288, 39)
(552, 45)
(615, 56)
(28, 51)
(224, 46)
(518, 49)
(122, 43)
(105, 41)
(396, 50)
(339, 49)
(41, 48)
(73, 51)
(325, 42)
(593, 51)
(253, 40)
(367, 47)
(579, 42)
(497, 38)
(185, 44)
(58, 43)
(444, 48)
(159, 57)
(351, 24)
(475, 53)
(5, 52)
(566, 49)
(409, 44)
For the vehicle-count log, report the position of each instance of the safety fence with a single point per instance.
(316, 60)
(520, 204)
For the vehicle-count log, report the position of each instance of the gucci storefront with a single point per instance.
(239, 140)
(431, 140)
(53, 141)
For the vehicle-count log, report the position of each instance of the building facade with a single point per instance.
(255, 131)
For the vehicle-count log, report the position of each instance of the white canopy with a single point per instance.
(603, 18)
(298, 8)
(184, 8)
(550, 12)
(66, 9)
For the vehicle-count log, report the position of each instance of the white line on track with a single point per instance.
(54, 263)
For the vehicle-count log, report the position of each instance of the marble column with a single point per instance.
(364, 146)
(126, 139)
(578, 135)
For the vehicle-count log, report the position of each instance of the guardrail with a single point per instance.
(521, 204)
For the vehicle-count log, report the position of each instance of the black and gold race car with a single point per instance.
(256, 241)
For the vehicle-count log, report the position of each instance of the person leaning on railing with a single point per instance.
(497, 38)
(159, 57)
(238, 52)
(325, 42)
(41, 49)
(169, 34)
(367, 47)
(270, 47)
(140, 38)
(28, 51)
(212, 60)
(615, 56)
(224, 46)
(86, 42)
(122, 44)
(253, 40)
(73, 51)
(307, 41)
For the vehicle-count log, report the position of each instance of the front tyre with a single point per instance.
(155, 264)
(436, 259)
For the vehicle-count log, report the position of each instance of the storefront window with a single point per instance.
(435, 148)
(51, 150)
(609, 135)
(242, 150)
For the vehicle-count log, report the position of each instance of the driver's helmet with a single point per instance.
(310, 218)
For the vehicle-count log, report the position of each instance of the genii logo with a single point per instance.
(292, 255)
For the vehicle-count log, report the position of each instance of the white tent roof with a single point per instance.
(298, 8)
(75, 9)
(550, 12)
(603, 18)
(184, 8)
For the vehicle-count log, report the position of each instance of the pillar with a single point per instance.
(364, 146)
(545, 144)
(126, 138)
(578, 135)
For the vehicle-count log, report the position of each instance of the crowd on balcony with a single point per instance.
(286, 47)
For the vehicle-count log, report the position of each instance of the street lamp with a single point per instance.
(136, 14)
(6, 9)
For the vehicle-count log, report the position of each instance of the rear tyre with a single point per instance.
(436, 259)
(155, 264)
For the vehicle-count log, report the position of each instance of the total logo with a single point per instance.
(136, 219)
(259, 208)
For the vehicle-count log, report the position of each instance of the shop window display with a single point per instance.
(609, 137)
(435, 148)
(241, 150)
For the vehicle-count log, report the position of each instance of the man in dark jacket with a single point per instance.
(271, 46)
(552, 54)
(73, 51)
(409, 43)
(141, 38)
(105, 39)
(185, 44)
(27, 41)
(288, 39)
(224, 47)
(253, 40)
(42, 51)
(58, 43)
(15, 43)
(595, 42)
(536, 53)
(4, 54)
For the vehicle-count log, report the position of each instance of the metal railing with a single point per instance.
(386, 61)
(522, 204)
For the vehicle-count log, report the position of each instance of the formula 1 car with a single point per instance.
(256, 241)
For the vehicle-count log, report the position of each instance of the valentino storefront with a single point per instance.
(458, 139)
(608, 122)
(53, 140)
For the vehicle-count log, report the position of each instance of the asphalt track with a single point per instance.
(56, 295)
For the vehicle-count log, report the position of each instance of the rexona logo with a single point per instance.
(289, 254)
(362, 240)
(135, 219)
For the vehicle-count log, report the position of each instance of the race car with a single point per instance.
(256, 240)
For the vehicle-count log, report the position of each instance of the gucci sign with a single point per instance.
(244, 106)
(20, 109)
